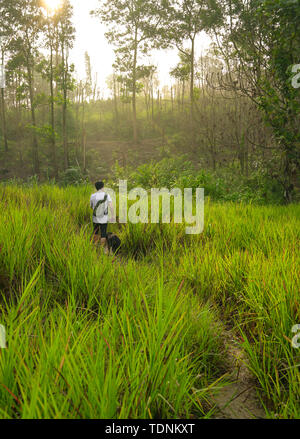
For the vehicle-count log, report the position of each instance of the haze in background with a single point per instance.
(90, 37)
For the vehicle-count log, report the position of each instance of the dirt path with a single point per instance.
(237, 400)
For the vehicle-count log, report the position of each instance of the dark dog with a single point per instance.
(113, 242)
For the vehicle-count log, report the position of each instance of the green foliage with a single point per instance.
(274, 24)
(45, 132)
(225, 185)
(72, 176)
(89, 338)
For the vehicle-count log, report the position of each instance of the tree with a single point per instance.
(2, 106)
(66, 36)
(148, 87)
(6, 33)
(86, 91)
(260, 42)
(184, 22)
(182, 72)
(134, 29)
(112, 84)
(27, 19)
(51, 41)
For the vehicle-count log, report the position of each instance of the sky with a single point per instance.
(90, 37)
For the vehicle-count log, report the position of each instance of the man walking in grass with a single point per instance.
(100, 203)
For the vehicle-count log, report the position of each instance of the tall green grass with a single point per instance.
(141, 335)
(90, 336)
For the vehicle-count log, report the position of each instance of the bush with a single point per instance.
(72, 176)
(225, 185)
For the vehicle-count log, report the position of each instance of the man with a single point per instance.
(100, 203)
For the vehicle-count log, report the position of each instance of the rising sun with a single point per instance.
(53, 5)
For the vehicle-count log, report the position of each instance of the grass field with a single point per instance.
(141, 335)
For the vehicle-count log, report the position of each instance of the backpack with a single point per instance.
(100, 211)
(113, 242)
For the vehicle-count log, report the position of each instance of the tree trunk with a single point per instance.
(64, 110)
(83, 140)
(84, 151)
(35, 147)
(3, 113)
(116, 107)
(53, 142)
(192, 97)
(192, 77)
(152, 102)
(247, 159)
(134, 118)
(3, 118)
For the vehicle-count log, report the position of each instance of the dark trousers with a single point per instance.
(100, 229)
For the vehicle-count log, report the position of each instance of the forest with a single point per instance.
(232, 114)
(172, 326)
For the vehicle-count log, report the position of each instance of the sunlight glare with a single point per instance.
(53, 5)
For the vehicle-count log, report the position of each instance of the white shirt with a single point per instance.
(94, 200)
